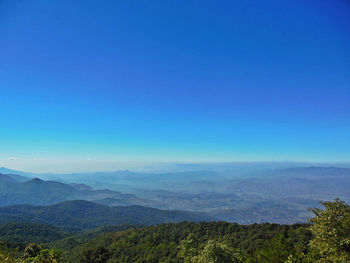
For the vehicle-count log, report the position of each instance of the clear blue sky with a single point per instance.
(96, 82)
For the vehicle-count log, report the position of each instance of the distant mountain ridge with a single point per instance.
(39, 192)
(15, 177)
(6, 178)
(257, 194)
(5, 170)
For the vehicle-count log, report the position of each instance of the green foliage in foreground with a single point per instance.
(33, 253)
(70, 242)
(164, 243)
(19, 233)
(331, 232)
(325, 240)
(211, 251)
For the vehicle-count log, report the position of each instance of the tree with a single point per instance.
(212, 252)
(189, 248)
(218, 252)
(35, 253)
(276, 250)
(6, 255)
(331, 232)
(97, 254)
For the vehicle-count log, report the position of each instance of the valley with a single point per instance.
(267, 193)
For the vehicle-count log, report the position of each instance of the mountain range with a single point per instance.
(82, 215)
(259, 193)
(16, 189)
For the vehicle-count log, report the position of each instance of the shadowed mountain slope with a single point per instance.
(85, 215)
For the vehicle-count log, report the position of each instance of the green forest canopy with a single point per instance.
(325, 239)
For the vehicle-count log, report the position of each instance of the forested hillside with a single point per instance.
(324, 240)
(80, 215)
(171, 242)
(24, 233)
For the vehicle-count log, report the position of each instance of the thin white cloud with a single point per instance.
(38, 159)
(11, 158)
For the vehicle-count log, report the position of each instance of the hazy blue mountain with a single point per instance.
(82, 187)
(308, 181)
(126, 180)
(20, 178)
(5, 178)
(40, 192)
(244, 193)
(5, 170)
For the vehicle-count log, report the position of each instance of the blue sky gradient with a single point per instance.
(91, 82)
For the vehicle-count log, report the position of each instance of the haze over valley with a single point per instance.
(234, 192)
(174, 131)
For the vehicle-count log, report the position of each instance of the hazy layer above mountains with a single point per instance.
(230, 169)
(240, 192)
